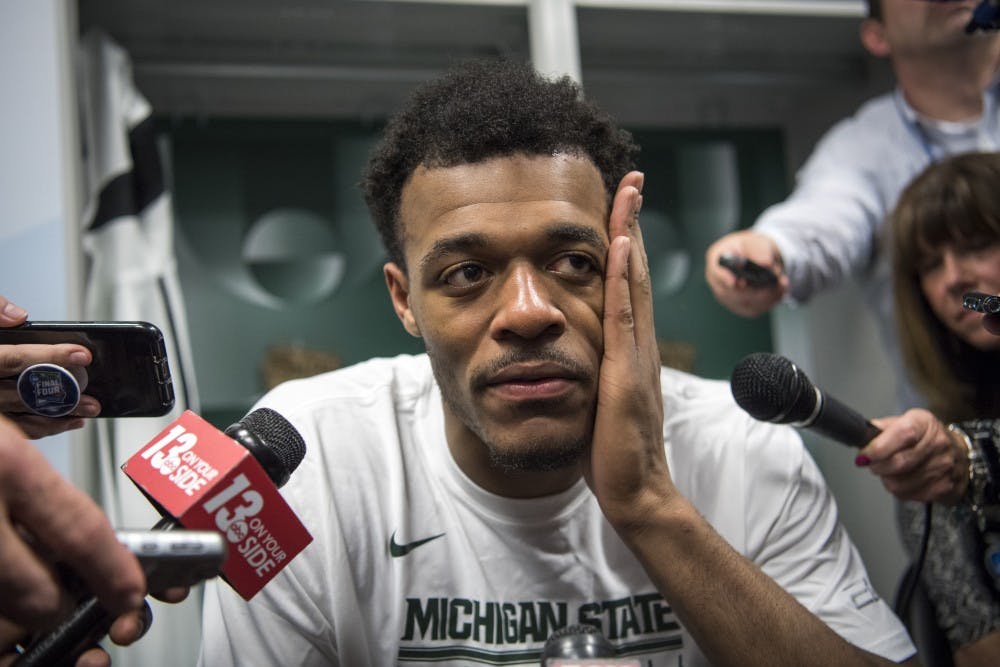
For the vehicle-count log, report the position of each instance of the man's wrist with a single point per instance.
(653, 514)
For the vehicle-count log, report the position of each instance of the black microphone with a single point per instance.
(274, 444)
(773, 389)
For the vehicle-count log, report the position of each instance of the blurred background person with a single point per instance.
(945, 242)
(945, 102)
(945, 236)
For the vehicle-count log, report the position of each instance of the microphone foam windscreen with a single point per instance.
(277, 434)
(770, 388)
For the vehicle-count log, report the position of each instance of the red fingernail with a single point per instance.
(861, 460)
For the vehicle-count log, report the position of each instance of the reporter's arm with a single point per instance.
(828, 227)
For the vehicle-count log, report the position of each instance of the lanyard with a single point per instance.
(923, 139)
(914, 127)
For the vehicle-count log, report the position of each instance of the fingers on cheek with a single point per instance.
(637, 259)
(618, 266)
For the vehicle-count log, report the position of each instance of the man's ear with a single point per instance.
(872, 33)
(399, 291)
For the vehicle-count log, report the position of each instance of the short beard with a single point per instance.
(532, 456)
(537, 456)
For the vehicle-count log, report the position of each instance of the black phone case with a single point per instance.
(755, 274)
(129, 374)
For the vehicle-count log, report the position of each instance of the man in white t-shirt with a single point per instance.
(537, 468)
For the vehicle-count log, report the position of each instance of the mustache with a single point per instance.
(484, 374)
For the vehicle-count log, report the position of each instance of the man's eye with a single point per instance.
(574, 265)
(466, 275)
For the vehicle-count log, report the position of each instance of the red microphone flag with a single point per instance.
(207, 481)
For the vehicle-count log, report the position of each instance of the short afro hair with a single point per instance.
(484, 109)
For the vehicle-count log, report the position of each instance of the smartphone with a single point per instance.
(982, 303)
(755, 274)
(129, 373)
(176, 557)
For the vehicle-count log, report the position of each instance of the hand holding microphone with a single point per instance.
(919, 458)
(916, 456)
(203, 479)
(45, 519)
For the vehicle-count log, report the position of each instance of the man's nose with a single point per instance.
(527, 308)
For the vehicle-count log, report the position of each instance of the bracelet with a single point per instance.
(975, 494)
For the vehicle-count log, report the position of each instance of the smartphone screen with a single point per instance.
(129, 374)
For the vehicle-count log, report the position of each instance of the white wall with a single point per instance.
(40, 265)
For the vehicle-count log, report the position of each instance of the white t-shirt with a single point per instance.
(413, 564)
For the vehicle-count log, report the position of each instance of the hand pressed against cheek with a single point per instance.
(506, 262)
(627, 468)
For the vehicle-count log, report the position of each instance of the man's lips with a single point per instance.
(532, 381)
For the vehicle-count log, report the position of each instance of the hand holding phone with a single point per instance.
(754, 274)
(128, 375)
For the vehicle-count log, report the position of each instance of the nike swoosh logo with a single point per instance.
(396, 550)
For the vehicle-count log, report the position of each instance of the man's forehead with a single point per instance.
(498, 196)
(516, 177)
